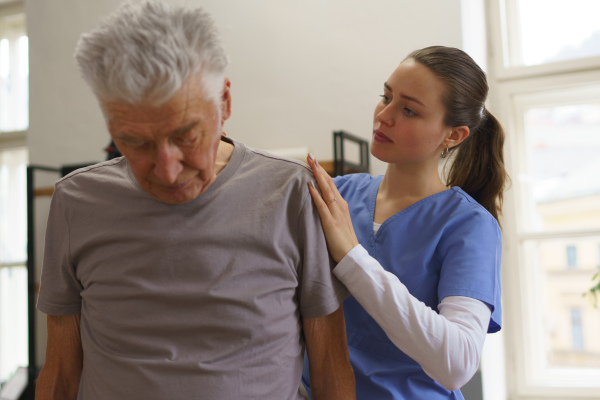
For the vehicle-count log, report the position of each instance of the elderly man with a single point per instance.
(193, 267)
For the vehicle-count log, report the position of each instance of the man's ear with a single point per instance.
(226, 101)
(456, 136)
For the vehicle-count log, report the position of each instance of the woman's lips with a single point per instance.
(380, 137)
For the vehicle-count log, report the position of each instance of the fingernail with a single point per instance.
(314, 159)
(311, 184)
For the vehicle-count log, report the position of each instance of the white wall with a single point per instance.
(299, 70)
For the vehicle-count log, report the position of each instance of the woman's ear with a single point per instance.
(457, 136)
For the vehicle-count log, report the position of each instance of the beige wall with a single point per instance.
(299, 70)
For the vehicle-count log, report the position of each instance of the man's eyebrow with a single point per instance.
(125, 137)
(185, 129)
(404, 96)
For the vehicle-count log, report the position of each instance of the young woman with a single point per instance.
(420, 255)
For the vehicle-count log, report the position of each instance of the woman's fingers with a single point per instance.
(322, 208)
(317, 196)
(323, 180)
(333, 210)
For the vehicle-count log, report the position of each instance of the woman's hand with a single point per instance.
(333, 210)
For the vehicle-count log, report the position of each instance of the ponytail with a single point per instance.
(478, 166)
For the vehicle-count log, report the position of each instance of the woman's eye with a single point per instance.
(410, 112)
(385, 99)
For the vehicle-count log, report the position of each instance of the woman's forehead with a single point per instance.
(415, 80)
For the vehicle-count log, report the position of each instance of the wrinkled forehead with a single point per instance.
(187, 107)
(207, 85)
(197, 94)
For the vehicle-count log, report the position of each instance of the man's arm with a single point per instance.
(59, 378)
(331, 375)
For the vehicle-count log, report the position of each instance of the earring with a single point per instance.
(445, 152)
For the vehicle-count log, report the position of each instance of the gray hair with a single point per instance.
(146, 51)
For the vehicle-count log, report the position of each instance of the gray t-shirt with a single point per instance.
(202, 300)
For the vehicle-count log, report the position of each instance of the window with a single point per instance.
(14, 73)
(546, 91)
(548, 31)
(571, 256)
(13, 258)
(576, 330)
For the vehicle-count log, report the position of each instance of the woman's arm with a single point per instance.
(446, 345)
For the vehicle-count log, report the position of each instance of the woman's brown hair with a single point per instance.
(478, 165)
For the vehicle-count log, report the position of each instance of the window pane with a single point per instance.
(14, 74)
(572, 256)
(13, 256)
(577, 330)
(562, 189)
(13, 206)
(556, 30)
(568, 325)
(13, 320)
(4, 58)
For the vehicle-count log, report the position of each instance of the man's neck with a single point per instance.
(224, 154)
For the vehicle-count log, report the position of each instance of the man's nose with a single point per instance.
(168, 164)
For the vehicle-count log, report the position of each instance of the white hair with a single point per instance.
(145, 51)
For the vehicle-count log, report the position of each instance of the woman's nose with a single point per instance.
(384, 115)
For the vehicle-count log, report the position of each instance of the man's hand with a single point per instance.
(331, 375)
(60, 376)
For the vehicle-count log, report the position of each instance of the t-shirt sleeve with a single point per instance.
(320, 292)
(59, 287)
(471, 262)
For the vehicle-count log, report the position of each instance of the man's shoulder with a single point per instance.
(265, 162)
(95, 176)
(96, 169)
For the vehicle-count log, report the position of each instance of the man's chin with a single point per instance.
(179, 196)
(171, 199)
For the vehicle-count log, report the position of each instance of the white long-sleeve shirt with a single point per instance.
(447, 345)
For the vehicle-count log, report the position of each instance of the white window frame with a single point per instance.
(16, 139)
(505, 45)
(512, 90)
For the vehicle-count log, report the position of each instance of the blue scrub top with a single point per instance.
(444, 245)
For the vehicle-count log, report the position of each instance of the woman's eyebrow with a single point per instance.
(404, 96)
